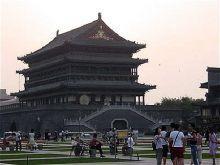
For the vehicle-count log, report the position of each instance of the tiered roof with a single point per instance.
(116, 85)
(94, 34)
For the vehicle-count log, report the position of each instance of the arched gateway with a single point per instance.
(119, 124)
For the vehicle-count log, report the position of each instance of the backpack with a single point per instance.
(153, 146)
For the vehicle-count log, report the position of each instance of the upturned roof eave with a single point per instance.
(137, 86)
(204, 85)
(134, 47)
(132, 62)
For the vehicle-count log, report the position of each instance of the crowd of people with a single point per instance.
(175, 141)
(79, 146)
(172, 142)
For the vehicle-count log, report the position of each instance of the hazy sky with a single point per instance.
(182, 37)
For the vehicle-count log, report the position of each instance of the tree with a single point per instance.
(189, 106)
(186, 103)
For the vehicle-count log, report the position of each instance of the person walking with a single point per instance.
(199, 147)
(158, 145)
(213, 144)
(177, 145)
(18, 141)
(31, 140)
(193, 147)
(170, 141)
(164, 144)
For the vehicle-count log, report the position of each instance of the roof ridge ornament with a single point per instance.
(99, 16)
(101, 34)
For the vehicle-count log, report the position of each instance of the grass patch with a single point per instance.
(64, 161)
(23, 156)
(12, 152)
(144, 152)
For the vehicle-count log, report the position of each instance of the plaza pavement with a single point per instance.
(142, 161)
(128, 160)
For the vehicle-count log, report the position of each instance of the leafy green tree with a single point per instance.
(189, 106)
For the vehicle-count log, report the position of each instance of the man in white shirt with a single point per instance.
(178, 145)
(130, 142)
(18, 140)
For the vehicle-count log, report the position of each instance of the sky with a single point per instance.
(181, 36)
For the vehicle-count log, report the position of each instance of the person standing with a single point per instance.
(31, 139)
(170, 141)
(193, 146)
(113, 143)
(158, 144)
(207, 136)
(199, 147)
(18, 140)
(46, 136)
(164, 144)
(213, 144)
(177, 146)
(130, 142)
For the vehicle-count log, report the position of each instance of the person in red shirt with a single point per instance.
(96, 144)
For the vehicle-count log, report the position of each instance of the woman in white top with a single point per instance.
(158, 143)
(31, 139)
(177, 138)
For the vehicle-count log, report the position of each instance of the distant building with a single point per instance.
(4, 96)
(85, 80)
(210, 110)
(7, 100)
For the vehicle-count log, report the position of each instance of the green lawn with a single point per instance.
(11, 152)
(64, 161)
(29, 156)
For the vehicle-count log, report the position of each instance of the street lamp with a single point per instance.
(38, 119)
(38, 126)
(79, 124)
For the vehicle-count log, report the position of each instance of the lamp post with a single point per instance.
(79, 124)
(181, 122)
(38, 126)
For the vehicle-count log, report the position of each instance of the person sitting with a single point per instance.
(5, 143)
(73, 144)
(95, 144)
(125, 148)
(76, 146)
